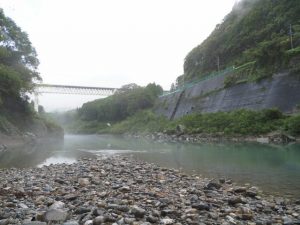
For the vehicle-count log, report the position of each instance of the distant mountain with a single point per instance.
(264, 33)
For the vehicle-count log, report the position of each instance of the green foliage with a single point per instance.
(121, 105)
(239, 122)
(242, 121)
(18, 68)
(292, 125)
(142, 122)
(255, 30)
(18, 71)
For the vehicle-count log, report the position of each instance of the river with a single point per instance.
(274, 169)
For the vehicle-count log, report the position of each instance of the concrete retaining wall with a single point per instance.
(282, 91)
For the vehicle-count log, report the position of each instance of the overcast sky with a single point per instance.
(109, 43)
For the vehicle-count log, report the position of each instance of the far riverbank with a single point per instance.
(272, 138)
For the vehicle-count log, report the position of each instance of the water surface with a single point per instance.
(275, 169)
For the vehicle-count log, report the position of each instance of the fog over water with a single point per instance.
(275, 169)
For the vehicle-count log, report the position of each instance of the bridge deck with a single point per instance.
(71, 89)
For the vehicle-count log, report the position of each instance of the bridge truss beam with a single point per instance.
(75, 90)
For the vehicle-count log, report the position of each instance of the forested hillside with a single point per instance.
(264, 34)
(18, 71)
(100, 114)
(18, 67)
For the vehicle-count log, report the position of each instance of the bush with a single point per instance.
(292, 125)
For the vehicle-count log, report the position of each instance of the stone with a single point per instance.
(167, 221)
(88, 222)
(138, 211)
(124, 189)
(71, 222)
(82, 210)
(235, 200)
(35, 223)
(213, 185)
(70, 197)
(152, 219)
(240, 189)
(57, 205)
(23, 206)
(201, 206)
(99, 220)
(83, 182)
(4, 222)
(231, 220)
(56, 215)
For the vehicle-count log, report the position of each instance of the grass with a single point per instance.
(239, 122)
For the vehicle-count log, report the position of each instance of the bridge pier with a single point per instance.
(36, 101)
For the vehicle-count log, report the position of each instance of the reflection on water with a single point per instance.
(273, 168)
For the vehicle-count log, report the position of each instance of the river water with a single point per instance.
(274, 169)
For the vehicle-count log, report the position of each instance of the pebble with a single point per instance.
(121, 190)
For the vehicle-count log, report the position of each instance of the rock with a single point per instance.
(70, 197)
(222, 180)
(166, 221)
(138, 212)
(82, 210)
(240, 189)
(213, 185)
(201, 206)
(40, 216)
(4, 222)
(132, 192)
(99, 220)
(287, 220)
(83, 182)
(60, 181)
(71, 222)
(231, 220)
(124, 189)
(235, 200)
(55, 215)
(152, 219)
(57, 205)
(122, 208)
(35, 223)
(88, 222)
(23, 206)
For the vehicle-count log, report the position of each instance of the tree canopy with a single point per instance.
(18, 64)
(126, 102)
(257, 31)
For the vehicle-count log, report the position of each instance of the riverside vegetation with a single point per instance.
(18, 71)
(144, 121)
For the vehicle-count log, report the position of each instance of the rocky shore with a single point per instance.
(272, 138)
(123, 190)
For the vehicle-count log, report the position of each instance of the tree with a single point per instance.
(18, 64)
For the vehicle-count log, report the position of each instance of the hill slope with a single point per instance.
(256, 31)
(18, 71)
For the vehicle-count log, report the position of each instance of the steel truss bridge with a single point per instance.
(75, 90)
(71, 90)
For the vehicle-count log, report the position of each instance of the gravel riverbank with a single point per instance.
(122, 190)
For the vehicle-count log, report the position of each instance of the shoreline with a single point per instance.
(28, 139)
(273, 138)
(122, 190)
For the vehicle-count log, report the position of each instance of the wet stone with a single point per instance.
(56, 215)
(122, 190)
(138, 211)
